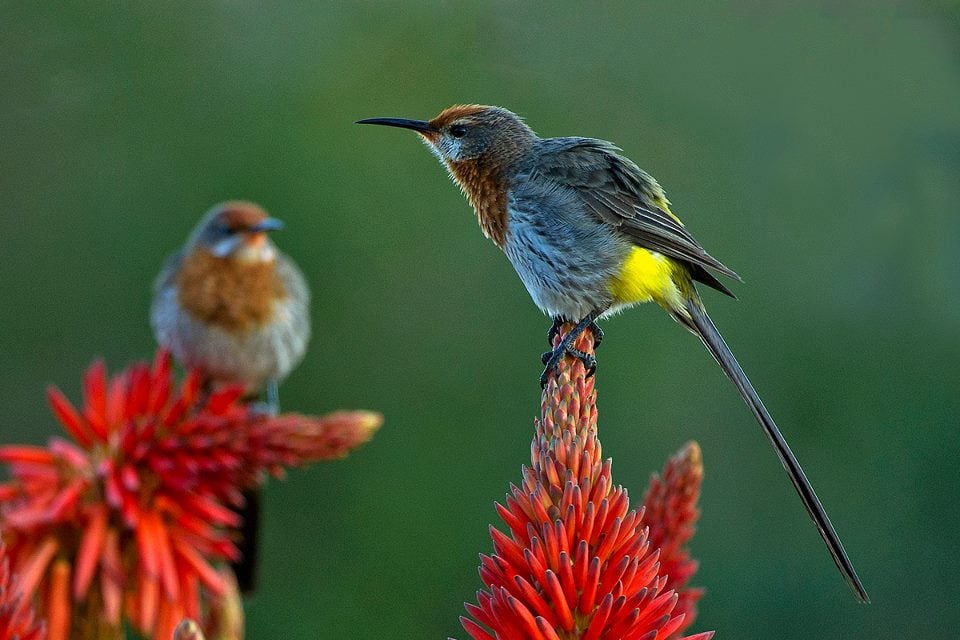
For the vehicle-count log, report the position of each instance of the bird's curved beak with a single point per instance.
(420, 126)
(268, 224)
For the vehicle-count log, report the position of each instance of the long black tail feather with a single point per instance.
(700, 323)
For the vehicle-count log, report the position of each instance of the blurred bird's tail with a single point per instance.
(695, 318)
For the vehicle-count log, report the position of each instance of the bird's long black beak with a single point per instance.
(268, 224)
(420, 126)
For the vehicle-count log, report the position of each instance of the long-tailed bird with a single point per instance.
(590, 233)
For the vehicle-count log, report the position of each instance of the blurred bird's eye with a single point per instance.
(458, 130)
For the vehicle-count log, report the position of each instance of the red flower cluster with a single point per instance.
(671, 511)
(16, 615)
(130, 519)
(577, 563)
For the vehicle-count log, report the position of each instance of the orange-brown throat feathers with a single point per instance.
(486, 189)
(228, 293)
(484, 179)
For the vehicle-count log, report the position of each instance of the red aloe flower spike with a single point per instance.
(672, 513)
(576, 562)
(131, 521)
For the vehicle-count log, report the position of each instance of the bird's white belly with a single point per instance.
(251, 357)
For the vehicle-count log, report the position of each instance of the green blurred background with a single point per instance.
(816, 151)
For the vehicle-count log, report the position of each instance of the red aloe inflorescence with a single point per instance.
(130, 519)
(671, 511)
(577, 563)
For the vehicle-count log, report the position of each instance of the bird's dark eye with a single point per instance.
(458, 130)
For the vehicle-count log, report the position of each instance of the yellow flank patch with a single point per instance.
(644, 276)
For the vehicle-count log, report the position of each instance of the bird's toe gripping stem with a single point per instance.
(557, 325)
(552, 359)
(597, 333)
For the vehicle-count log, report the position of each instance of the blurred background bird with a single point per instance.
(590, 233)
(230, 304)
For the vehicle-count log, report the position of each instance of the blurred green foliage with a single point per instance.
(816, 151)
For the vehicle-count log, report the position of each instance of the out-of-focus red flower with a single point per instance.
(577, 562)
(671, 513)
(130, 518)
(16, 614)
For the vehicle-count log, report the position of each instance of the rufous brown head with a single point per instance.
(463, 133)
(236, 230)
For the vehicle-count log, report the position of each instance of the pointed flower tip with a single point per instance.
(302, 439)
(692, 456)
(361, 425)
(367, 422)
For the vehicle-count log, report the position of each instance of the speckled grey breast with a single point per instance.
(562, 253)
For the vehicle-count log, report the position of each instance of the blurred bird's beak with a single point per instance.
(269, 224)
(420, 126)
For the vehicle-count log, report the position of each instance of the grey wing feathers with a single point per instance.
(621, 194)
(293, 279)
(297, 335)
(168, 272)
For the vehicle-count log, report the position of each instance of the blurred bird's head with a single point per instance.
(236, 230)
(492, 136)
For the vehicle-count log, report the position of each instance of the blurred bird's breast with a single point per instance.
(238, 326)
(234, 295)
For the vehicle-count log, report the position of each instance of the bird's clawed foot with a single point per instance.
(552, 359)
(597, 334)
(558, 324)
